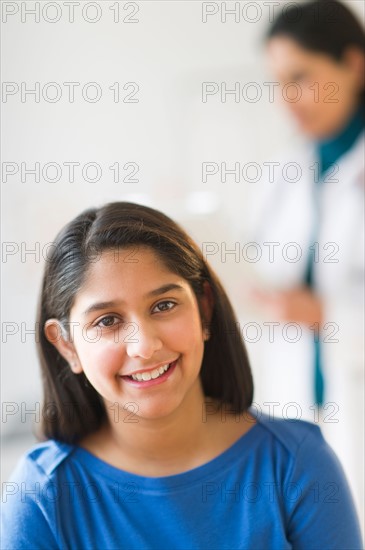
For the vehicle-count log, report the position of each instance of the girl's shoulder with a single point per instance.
(28, 518)
(291, 433)
(42, 459)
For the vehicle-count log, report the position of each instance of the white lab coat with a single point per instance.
(285, 368)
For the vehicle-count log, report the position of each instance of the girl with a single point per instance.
(150, 436)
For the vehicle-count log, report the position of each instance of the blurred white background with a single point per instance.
(168, 53)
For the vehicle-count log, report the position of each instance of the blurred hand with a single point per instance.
(299, 305)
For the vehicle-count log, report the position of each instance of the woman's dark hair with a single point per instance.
(72, 407)
(325, 26)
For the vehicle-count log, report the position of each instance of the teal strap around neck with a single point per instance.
(331, 150)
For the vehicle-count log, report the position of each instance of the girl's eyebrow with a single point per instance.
(113, 303)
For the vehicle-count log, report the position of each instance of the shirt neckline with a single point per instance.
(241, 447)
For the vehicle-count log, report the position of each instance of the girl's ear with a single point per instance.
(207, 305)
(57, 336)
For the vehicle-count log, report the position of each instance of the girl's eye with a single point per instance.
(165, 306)
(107, 321)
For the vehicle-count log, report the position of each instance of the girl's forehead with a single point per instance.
(126, 276)
(132, 258)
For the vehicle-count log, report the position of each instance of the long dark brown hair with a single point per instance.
(324, 26)
(72, 408)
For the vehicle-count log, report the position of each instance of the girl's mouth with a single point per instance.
(152, 381)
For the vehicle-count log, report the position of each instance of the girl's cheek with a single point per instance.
(181, 333)
(103, 357)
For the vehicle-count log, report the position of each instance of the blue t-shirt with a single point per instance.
(279, 486)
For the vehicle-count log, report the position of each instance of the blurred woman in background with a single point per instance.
(316, 52)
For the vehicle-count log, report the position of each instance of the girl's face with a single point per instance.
(320, 92)
(133, 315)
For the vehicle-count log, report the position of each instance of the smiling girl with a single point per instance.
(150, 436)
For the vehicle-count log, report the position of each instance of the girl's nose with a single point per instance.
(144, 342)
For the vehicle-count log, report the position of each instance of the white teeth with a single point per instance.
(150, 375)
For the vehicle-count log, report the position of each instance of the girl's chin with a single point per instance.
(132, 411)
(149, 411)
